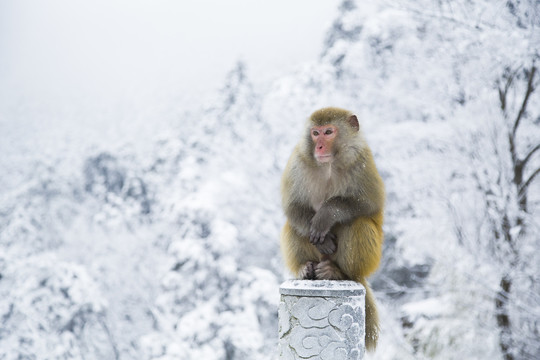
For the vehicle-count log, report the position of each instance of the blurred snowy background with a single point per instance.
(142, 145)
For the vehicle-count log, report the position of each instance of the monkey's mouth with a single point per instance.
(323, 158)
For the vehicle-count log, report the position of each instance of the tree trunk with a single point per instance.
(503, 317)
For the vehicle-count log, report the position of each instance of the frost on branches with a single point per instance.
(210, 307)
(53, 310)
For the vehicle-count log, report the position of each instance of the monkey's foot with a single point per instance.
(329, 245)
(327, 270)
(308, 271)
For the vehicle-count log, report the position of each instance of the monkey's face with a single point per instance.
(323, 139)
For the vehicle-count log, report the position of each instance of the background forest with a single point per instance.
(166, 246)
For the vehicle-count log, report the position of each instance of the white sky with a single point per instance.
(111, 51)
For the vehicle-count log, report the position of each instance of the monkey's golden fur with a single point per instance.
(307, 185)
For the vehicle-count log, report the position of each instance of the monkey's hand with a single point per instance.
(329, 245)
(321, 224)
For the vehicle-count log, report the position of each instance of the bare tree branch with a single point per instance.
(526, 184)
(513, 153)
(530, 90)
(528, 157)
(503, 93)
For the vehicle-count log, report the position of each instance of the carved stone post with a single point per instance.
(321, 319)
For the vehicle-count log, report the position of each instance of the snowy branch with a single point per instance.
(529, 155)
(503, 93)
(530, 90)
(530, 179)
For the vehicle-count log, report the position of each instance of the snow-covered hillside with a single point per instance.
(167, 247)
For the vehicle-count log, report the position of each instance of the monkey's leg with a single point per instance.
(360, 249)
(297, 250)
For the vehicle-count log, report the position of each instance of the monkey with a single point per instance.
(333, 198)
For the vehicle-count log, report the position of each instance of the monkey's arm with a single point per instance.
(339, 210)
(299, 216)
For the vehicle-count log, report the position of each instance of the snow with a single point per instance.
(164, 243)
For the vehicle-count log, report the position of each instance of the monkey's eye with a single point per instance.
(315, 133)
(328, 132)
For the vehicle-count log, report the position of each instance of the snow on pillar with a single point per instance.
(321, 319)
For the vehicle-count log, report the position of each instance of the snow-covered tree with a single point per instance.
(505, 163)
(217, 301)
(52, 310)
(210, 307)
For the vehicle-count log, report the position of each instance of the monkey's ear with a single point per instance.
(353, 121)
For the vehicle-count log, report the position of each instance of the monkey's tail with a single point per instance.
(372, 318)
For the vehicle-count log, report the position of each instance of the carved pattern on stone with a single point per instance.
(325, 327)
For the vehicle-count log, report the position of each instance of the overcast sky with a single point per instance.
(110, 50)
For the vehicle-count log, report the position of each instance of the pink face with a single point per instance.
(323, 138)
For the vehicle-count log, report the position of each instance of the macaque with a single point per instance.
(333, 197)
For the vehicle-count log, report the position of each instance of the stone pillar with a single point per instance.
(322, 319)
